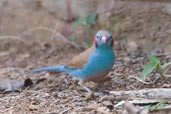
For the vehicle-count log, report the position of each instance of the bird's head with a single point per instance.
(103, 38)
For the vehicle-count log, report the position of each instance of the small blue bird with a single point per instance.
(98, 65)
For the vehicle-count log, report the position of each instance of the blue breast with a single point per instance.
(99, 61)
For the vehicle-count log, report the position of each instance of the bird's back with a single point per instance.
(99, 64)
(81, 59)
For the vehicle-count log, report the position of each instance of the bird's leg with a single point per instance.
(81, 83)
(107, 78)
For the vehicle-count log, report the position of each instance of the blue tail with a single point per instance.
(53, 69)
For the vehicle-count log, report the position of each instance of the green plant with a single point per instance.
(159, 105)
(154, 65)
(87, 21)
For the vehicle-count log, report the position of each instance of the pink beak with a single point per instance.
(104, 39)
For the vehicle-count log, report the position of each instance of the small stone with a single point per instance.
(166, 85)
(106, 98)
(107, 103)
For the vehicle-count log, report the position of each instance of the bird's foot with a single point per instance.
(84, 87)
(107, 78)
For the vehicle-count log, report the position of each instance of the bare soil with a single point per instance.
(57, 94)
(53, 94)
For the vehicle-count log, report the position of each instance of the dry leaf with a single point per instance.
(9, 85)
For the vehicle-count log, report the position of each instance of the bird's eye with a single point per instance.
(110, 36)
(98, 37)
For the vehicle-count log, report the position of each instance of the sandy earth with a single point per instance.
(53, 94)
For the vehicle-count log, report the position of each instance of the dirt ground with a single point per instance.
(56, 94)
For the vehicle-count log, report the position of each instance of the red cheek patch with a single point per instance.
(95, 42)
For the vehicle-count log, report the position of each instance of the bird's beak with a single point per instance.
(104, 39)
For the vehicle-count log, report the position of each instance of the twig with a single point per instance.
(138, 79)
(162, 93)
(64, 111)
(143, 101)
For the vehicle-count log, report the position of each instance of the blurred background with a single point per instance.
(33, 30)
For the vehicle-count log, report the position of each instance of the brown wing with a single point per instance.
(81, 59)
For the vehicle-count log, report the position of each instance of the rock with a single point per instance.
(107, 103)
(9, 85)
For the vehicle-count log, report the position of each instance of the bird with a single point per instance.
(92, 65)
